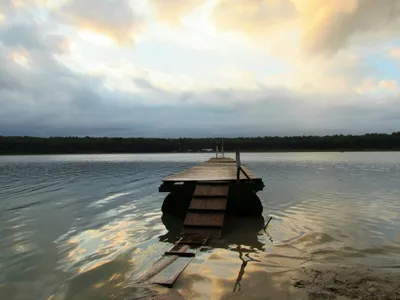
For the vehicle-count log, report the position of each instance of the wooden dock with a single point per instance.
(215, 169)
(213, 188)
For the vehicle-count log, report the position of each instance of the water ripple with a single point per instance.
(87, 227)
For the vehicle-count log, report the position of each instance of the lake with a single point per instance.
(87, 226)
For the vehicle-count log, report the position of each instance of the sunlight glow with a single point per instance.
(20, 59)
(3, 18)
(95, 38)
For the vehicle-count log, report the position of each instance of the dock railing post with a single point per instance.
(237, 165)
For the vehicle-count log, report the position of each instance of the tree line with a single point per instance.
(75, 145)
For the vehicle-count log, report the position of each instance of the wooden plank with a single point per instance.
(158, 266)
(168, 275)
(211, 190)
(212, 203)
(180, 250)
(214, 233)
(210, 172)
(221, 160)
(204, 219)
(181, 254)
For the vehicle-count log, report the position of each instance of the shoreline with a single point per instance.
(200, 152)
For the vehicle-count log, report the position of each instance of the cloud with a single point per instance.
(114, 19)
(184, 93)
(252, 16)
(395, 53)
(389, 85)
(50, 99)
(33, 36)
(173, 10)
(323, 27)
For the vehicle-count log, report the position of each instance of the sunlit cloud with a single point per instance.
(114, 19)
(391, 85)
(120, 67)
(96, 38)
(173, 10)
(21, 58)
(395, 53)
(324, 26)
(3, 18)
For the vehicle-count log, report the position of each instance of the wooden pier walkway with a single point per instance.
(211, 185)
(215, 169)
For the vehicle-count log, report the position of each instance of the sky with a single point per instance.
(196, 68)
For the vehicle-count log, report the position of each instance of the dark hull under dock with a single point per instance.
(241, 198)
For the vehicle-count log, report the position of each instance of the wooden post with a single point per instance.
(222, 149)
(237, 165)
(216, 151)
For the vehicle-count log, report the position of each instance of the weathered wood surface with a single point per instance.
(159, 265)
(168, 268)
(204, 219)
(193, 240)
(170, 273)
(212, 170)
(213, 233)
(210, 190)
(221, 160)
(181, 250)
(214, 203)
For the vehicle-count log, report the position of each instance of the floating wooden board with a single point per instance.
(212, 203)
(207, 190)
(204, 219)
(214, 233)
(169, 274)
(181, 250)
(158, 266)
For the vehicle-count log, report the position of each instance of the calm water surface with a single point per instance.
(87, 226)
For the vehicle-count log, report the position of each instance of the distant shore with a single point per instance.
(211, 153)
(26, 145)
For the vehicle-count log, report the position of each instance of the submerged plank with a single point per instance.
(204, 219)
(180, 250)
(168, 275)
(159, 265)
(214, 233)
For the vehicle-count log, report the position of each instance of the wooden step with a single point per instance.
(215, 219)
(210, 232)
(207, 190)
(214, 203)
(196, 240)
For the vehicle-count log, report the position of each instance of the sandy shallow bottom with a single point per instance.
(318, 282)
(244, 274)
